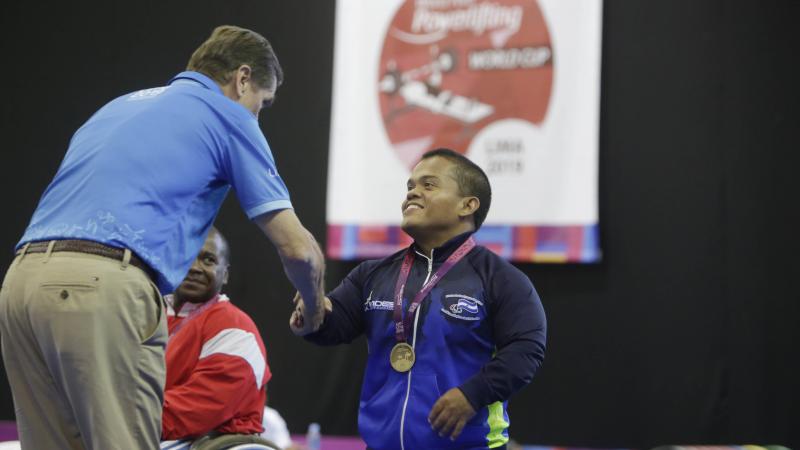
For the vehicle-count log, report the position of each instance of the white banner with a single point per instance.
(513, 84)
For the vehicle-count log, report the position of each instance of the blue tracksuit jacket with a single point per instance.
(481, 329)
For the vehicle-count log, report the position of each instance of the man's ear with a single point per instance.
(468, 206)
(244, 75)
(225, 275)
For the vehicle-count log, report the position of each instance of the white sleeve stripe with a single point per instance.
(236, 342)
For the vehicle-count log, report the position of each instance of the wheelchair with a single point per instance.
(233, 442)
(207, 442)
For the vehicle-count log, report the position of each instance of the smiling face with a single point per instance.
(208, 273)
(434, 210)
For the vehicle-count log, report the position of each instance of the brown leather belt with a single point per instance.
(92, 248)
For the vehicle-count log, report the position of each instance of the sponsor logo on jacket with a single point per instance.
(380, 305)
(460, 306)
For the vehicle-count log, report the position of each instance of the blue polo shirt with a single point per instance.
(149, 172)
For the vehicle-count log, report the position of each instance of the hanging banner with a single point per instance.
(512, 84)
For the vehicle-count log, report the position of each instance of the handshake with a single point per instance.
(305, 320)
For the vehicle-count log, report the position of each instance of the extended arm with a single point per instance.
(302, 260)
(344, 319)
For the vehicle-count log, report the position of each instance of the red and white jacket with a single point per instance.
(217, 371)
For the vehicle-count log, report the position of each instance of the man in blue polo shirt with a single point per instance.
(81, 312)
(453, 330)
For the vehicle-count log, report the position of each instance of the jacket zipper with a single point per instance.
(413, 347)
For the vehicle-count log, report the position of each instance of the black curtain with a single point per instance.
(687, 331)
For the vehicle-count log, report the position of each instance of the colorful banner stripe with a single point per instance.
(544, 244)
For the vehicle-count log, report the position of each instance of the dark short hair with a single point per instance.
(228, 48)
(472, 180)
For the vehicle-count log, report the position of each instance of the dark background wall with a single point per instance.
(688, 330)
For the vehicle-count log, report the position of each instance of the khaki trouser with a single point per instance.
(83, 341)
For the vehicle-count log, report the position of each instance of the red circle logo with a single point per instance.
(449, 68)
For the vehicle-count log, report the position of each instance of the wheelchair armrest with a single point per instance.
(226, 441)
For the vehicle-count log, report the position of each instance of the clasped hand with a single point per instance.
(298, 321)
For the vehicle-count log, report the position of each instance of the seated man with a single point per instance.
(217, 369)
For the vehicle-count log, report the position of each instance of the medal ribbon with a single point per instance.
(192, 315)
(400, 324)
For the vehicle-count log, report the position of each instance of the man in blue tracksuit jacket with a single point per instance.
(477, 336)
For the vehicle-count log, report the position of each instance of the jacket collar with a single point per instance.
(188, 307)
(442, 252)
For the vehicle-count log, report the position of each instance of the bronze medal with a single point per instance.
(402, 357)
